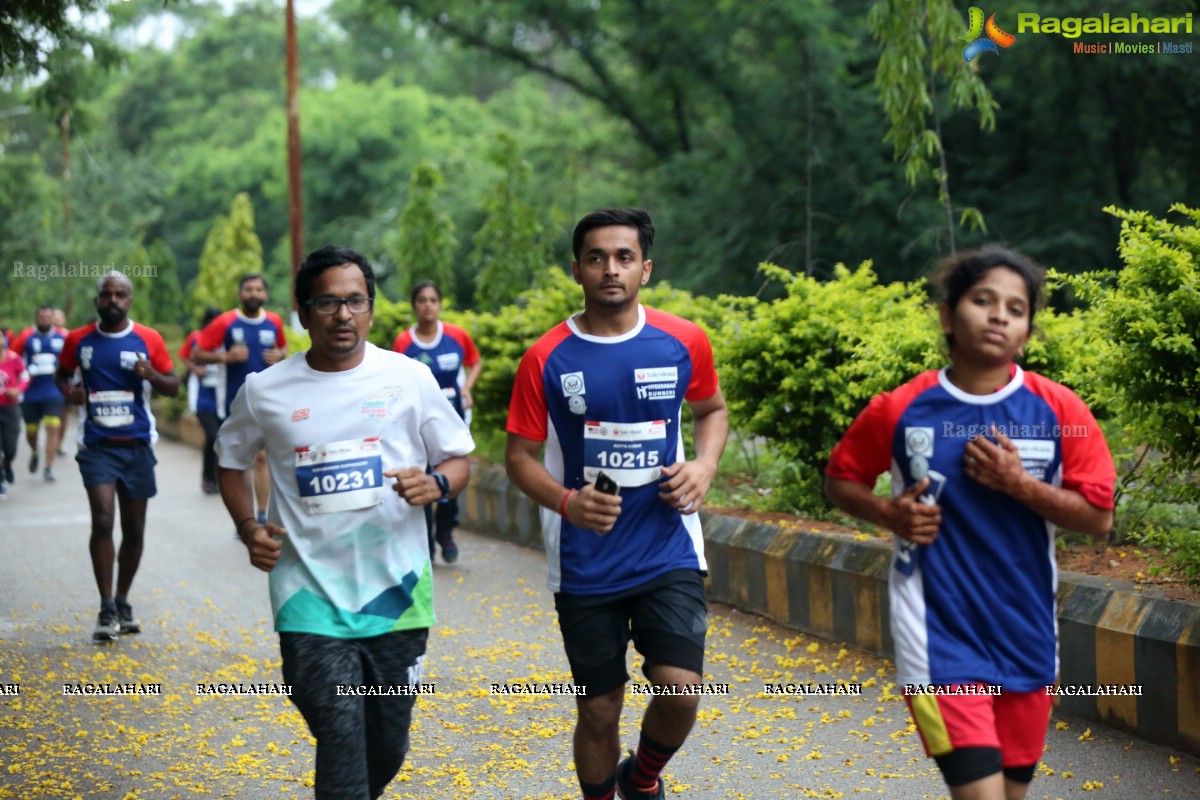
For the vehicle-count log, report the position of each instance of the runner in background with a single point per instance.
(14, 378)
(449, 352)
(41, 345)
(206, 399)
(246, 340)
(120, 362)
(59, 318)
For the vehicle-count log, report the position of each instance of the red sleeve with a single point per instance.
(159, 357)
(403, 340)
(1087, 464)
(527, 411)
(67, 359)
(18, 345)
(460, 335)
(864, 451)
(280, 336)
(704, 373)
(185, 352)
(213, 335)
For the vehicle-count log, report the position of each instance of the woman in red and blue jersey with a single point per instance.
(449, 352)
(986, 461)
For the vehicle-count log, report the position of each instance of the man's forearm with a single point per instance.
(531, 477)
(710, 434)
(208, 356)
(237, 493)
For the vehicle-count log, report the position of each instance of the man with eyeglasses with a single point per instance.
(246, 340)
(348, 429)
(119, 362)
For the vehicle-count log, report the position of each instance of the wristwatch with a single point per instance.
(443, 483)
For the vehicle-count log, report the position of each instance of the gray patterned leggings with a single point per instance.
(361, 740)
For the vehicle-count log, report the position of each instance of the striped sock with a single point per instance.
(649, 762)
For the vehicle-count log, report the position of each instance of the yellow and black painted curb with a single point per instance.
(835, 587)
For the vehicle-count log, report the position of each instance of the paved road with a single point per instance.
(206, 618)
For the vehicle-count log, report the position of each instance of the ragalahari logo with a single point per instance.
(992, 40)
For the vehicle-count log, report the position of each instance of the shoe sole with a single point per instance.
(104, 637)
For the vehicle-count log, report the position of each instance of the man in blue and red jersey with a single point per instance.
(120, 362)
(602, 393)
(40, 345)
(246, 340)
(206, 399)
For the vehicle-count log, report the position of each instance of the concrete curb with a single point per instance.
(836, 587)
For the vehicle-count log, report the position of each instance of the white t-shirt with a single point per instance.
(355, 561)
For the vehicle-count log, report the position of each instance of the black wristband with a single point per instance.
(443, 483)
(250, 518)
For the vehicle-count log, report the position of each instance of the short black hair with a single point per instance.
(210, 313)
(955, 274)
(416, 290)
(253, 276)
(331, 255)
(629, 217)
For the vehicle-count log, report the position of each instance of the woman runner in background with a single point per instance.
(449, 351)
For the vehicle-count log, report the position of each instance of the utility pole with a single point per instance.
(64, 124)
(295, 197)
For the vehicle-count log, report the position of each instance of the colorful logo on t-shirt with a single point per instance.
(991, 40)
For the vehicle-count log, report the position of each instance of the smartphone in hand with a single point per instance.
(606, 484)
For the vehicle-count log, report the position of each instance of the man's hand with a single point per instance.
(913, 519)
(144, 369)
(272, 356)
(237, 354)
(686, 485)
(417, 487)
(263, 545)
(465, 396)
(592, 509)
(76, 394)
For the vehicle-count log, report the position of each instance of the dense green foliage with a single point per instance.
(232, 249)
(802, 366)
(425, 250)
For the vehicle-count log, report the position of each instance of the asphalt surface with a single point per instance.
(206, 619)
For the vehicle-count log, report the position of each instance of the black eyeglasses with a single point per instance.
(327, 306)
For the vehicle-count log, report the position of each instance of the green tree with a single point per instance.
(921, 50)
(1147, 373)
(426, 246)
(511, 248)
(30, 29)
(231, 250)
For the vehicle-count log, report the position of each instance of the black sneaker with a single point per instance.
(449, 548)
(33, 464)
(8, 472)
(126, 620)
(107, 626)
(625, 788)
